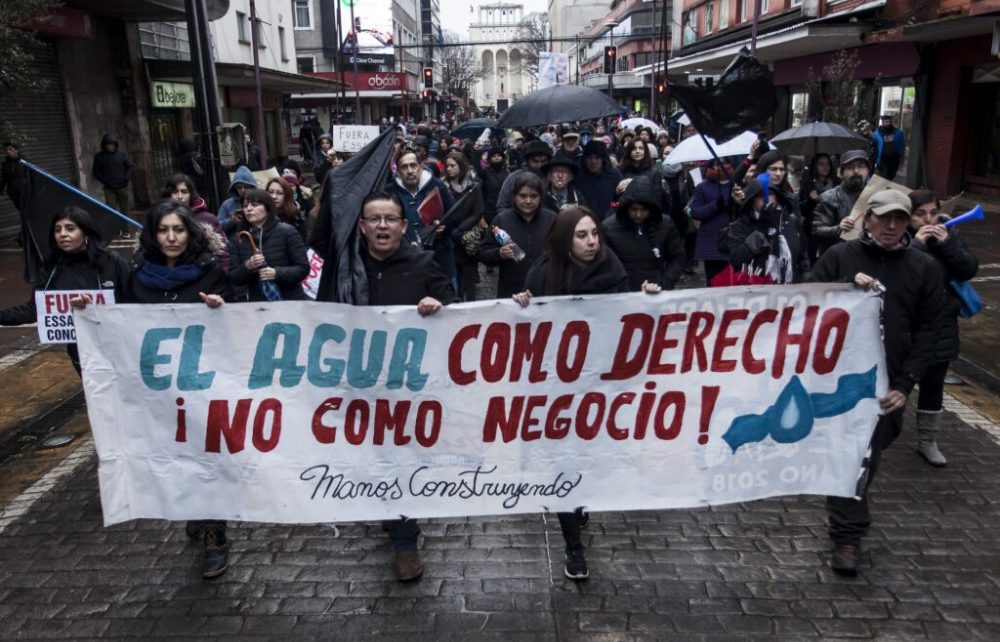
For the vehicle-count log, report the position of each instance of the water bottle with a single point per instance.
(503, 238)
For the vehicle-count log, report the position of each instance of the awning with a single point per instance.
(241, 75)
(147, 10)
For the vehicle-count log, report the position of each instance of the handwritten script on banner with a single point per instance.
(318, 412)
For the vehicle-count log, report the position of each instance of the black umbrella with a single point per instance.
(559, 104)
(473, 128)
(812, 138)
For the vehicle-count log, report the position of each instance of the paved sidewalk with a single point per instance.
(744, 572)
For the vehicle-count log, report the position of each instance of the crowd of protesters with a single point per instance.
(567, 209)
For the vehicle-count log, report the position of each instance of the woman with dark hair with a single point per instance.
(281, 255)
(625, 138)
(175, 263)
(78, 260)
(527, 224)
(944, 244)
(635, 159)
(287, 208)
(816, 179)
(576, 261)
(459, 179)
(180, 188)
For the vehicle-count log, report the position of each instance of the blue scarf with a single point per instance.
(161, 277)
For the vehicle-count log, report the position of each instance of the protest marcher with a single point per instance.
(864, 128)
(282, 252)
(113, 170)
(957, 264)
(415, 186)
(536, 155)
(400, 273)
(882, 259)
(231, 209)
(527, 224)
(309, 135)
(571, 147)
(710, 206)
(767, 238)
(625, 138)
(460, 178)
(190, 165)
(175, 264)
(817, 178)
(560, 190)
(181, 188)
(287, 207)
(13, 174)
(890, 147)
(323, 158)
(831, 216)
(493, 178)
(598, 178)
(575, 262)
(253, 154)
(78, 261)
(635, 159)
(646, 241)
(303, 197)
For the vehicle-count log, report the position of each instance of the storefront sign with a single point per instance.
(305, 412)
(55, 316)
(172, 95)
(352, 138)
(371, 80)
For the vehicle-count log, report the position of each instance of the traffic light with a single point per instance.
(610, 53)
(428, 77)
(427, 96)
(662, 87)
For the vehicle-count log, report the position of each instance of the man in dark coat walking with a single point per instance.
(113, 170)
(598, 179)
(911, 280)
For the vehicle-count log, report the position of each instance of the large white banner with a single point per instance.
(553, 69)
(318, 412)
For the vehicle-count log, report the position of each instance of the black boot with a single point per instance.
(195, 530)
(216, 550)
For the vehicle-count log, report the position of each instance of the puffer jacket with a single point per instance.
(650, 251)
(283, 249)
(834, 205)
(957, 264)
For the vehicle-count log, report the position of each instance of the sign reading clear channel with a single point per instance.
(172, 95)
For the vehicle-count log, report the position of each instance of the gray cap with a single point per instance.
(888, 201)
(853, 155)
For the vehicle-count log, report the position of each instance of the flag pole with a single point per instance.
(81, 194)
(711, 149)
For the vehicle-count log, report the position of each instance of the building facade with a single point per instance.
(506, 76)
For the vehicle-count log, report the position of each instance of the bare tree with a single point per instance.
(839, 92)
(17, 63)
(460, 68)
(535, 30)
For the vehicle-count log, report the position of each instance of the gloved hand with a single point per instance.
(758, 243)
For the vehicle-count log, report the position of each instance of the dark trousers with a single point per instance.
(712, 268)
(570, 525)
(850, 518)
(931, 393)
(403, 534)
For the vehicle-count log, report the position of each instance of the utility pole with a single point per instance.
(753, 28)
(354, 52)
(341, 94)
(207, 113)
(261, 133)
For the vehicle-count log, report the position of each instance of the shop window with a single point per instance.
(709, 10)
(303, 14)
(690, 28)
(243, 27)
(800, 108)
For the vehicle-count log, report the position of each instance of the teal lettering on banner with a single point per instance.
(188, 377)
(406, 361)
(150, 357)
(265, 361)
(331, 376)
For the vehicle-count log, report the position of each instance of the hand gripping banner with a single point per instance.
(301, 412)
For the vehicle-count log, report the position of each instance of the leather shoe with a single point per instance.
(845, 559)
(408, 565)
(216, 559)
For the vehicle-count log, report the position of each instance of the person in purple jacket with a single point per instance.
(711, 206)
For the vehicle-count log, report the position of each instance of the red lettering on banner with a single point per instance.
(834, 321)
(530, 349)
(556, 425)
(496, 352)
(429, 414)
(709, 395)
(623, 399)
(699, 327)
(623, 366)
(787, 338)
(570, 371)
(584, 430)
(49, 299)
(751, 364)
(668, 399)
(323, 433)
(723, 341)
(356, 421)
(260, 442)
(496, 419)
(391, 418)
(661, 343)
(527, 434)
(219, 425)
(181, 435)
(463, 336)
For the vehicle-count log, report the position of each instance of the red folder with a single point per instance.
(432, 209)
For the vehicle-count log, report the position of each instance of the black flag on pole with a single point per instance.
(44, 197)
(743, 98)
(335, 236)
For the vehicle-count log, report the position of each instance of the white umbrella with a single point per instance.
(693, 149)
(632, 123)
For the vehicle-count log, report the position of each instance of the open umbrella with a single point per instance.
(559, 104)
(632, 123)
(813, 138)
(693, 149)
(472, 129)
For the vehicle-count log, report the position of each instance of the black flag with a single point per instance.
(336, 237)
(743, 98)
(44, 197)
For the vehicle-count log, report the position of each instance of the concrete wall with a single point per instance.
(274, 16)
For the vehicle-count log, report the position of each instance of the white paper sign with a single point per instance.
(55, 316)
(302, 412)
(353, 138)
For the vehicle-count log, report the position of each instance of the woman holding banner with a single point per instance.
(78, 261)
(576, 261)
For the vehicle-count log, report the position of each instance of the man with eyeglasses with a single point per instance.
(830, 218)
(400, 273)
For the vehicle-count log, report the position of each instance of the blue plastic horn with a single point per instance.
(975, 214)
(765, 184)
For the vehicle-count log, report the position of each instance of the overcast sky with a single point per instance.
(455, 14)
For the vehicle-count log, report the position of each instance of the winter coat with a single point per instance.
(321, 163)
(650, 251)
(750, 240)
(898, 140)
(242, 176)
(283, 249)
(678, 189)
(444, 247)
(13, 179)
(492, 182)
(598, 190)
(112, 169)
(530, 237)
(912, 306)
(406, 277)
(573, 197)
(77, 271)
(834, 205)
(711, 204)
(957, 264)
(202, 214)
(505, 200)
(605, 276)
(213, 281)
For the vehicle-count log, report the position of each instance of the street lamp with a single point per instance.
(611, 24)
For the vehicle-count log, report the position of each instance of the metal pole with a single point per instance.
(577, 60)
(611, 76)
(652, 69)
(342, 93)
(354, 52)
(212, 102)
(261, 134)
(753, 28)
(201, 111)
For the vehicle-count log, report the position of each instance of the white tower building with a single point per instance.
(505, 77)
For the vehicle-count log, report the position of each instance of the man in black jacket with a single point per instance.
(493, 178)
(113, 169)
(598, 179)
(13, 175)
(400, 274)
(910, 313)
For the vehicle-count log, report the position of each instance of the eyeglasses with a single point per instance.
(379, 220)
